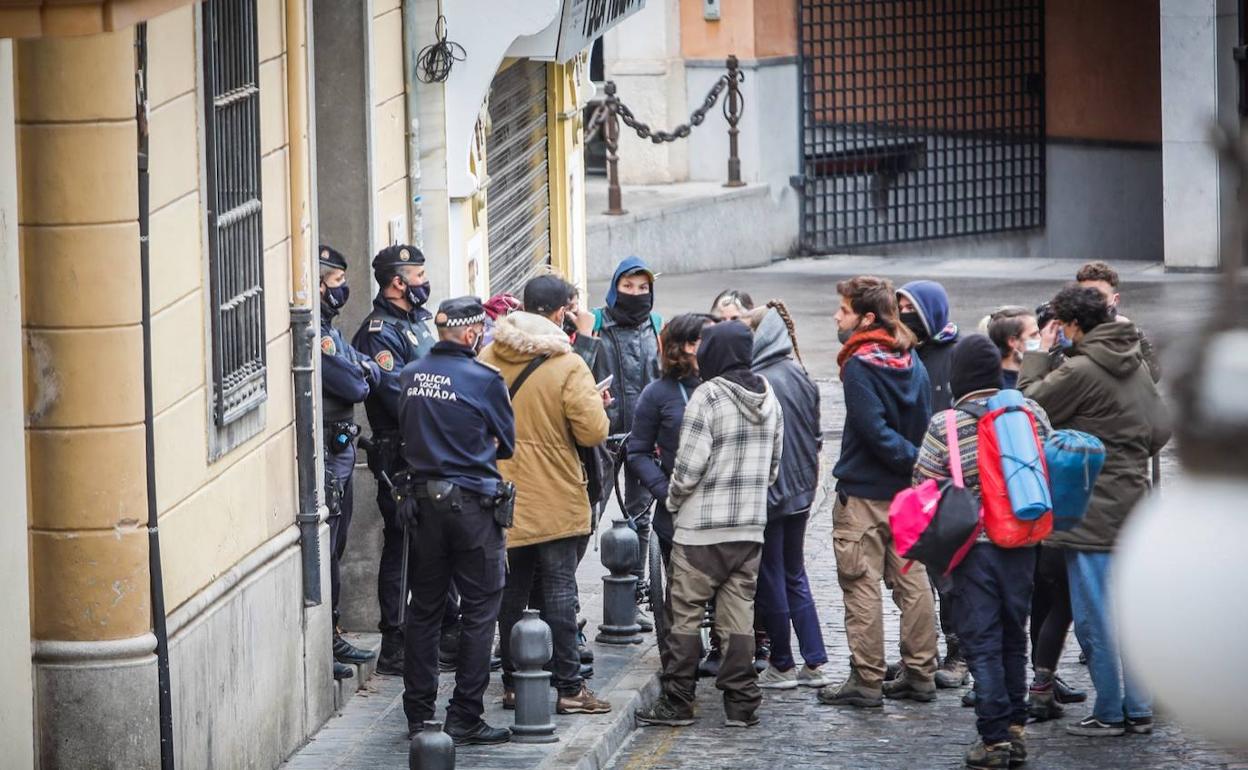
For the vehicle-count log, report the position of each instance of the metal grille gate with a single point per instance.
(235, 240)
(921, 119)
(519, 189)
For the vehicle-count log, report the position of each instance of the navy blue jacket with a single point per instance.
(347, 375)
(651, 448)
(886, 415)
(393, 339)
(456, 419)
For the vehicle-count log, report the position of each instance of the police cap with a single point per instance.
(460, 312)
(400, 254)
(331, 257)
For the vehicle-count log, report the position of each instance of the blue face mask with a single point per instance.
(418, 293)
(1062, 340)
(336, 296)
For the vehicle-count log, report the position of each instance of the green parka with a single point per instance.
(1104, 388)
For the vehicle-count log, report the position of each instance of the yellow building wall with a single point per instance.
(389, 154)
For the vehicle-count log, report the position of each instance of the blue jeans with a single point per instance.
(992, 600)
(1118, 694)
(783, 596)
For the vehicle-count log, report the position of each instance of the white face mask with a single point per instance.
(1032, 345)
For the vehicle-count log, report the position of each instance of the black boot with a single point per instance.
(345, 652)
(448, 648)
(1065, 693)
(343, 671)
(390, 660)
(952, 672)
(582, 644)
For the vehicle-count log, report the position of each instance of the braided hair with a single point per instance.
(783, 312)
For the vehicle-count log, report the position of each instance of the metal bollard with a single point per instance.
(620, 551)
(531, 649)
(431, 749)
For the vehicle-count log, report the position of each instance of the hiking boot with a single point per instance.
(743, 721)
(643, 621)
(509, 699)
(584, 702)
(343, 671)
(481, 735)
(773, 678)
(1041, 697)
(1065, 693)
(665, 713)
(984, 757)
(1018, 745)
(708, 667)
(1091, 727)
(345, 652)
(893, 670)
(952, 672)
(909, 685)
(390, 659)
(851, 692)
(812, 677)
(1139, 725)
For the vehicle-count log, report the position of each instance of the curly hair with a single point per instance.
(678, 332)
(869, 294)
(1083, 306)
(1098, 271)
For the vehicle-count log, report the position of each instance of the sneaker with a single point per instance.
(1018, 745)
(773, 678)
(643, 620)
(509, 699)
(909, 685)
(1042, 702)
(665, 713)
(343, 671)
(708, 667)
(1139, 725)
(584, 702)
(851, 692)
(985, 757)
(481, 735)
(1091, 727)
(812, 677)
(1065, 693)
(345, 652)
(741, 721)
(952, 673)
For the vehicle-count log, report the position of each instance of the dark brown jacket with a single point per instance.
(1103, 388)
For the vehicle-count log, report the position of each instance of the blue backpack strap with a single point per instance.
(597, 321)
(656, 321)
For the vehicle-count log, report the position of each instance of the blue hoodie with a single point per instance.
(627, 265)
(936, 349)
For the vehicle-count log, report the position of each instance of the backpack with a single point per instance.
(1017, 523)
(656, 321)
(1075, 460)
(597, 462)
(936, 523)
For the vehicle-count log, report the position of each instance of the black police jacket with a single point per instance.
(347, 375)
(393, 338)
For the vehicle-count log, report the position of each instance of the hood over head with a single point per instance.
(523, 336)
(726, 352)
(932, 303)
(771, 340)
(1113, 346)
(627, 265)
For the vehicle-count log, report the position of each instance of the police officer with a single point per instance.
(347, 376)
(394, 334)
(456, 419)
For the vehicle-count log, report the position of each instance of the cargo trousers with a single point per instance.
(863, 545)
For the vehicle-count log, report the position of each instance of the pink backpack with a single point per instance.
(936, 523)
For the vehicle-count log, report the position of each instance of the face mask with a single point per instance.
(336, 296)
(1032, 345)
(632, 309)
(478, 343)
(914, 322)
(569, 326)
(1062, 340)
(418, 293)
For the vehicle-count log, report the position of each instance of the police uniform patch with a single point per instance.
(376, 325)
(328, 347)
(385, 359)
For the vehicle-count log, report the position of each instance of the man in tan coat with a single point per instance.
(557, 408)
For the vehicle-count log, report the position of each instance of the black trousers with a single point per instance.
(338, 527)
(1050, 609)
(468, 548)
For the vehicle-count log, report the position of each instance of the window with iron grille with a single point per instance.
(235, 241)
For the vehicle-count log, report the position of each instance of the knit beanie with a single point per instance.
(975, 365)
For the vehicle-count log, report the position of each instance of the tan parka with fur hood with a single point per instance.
(556, 409)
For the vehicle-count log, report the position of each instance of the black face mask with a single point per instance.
(914, 322)
(336, 296)
(418, 293)
(569, 326)
(632, 309)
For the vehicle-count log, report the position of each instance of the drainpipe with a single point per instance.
(155, 573)
(302, 319)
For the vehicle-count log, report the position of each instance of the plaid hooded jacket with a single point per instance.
(730, 445)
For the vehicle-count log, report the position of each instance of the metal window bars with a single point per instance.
(921, 119)
(235, 239)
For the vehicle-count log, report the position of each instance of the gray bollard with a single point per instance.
(431, 749)
(531, 650)
(619, 591)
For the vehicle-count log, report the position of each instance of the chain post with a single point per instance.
(732, 113)
(611, 138)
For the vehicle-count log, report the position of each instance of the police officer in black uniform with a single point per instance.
(347, 376)
(456, 420)
(395, 334)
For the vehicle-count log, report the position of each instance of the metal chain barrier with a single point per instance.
(606, 118)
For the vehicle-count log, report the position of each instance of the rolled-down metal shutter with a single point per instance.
(519, 191)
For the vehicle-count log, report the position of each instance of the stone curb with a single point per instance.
(592, 745)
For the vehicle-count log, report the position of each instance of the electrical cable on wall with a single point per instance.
(434, 62)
